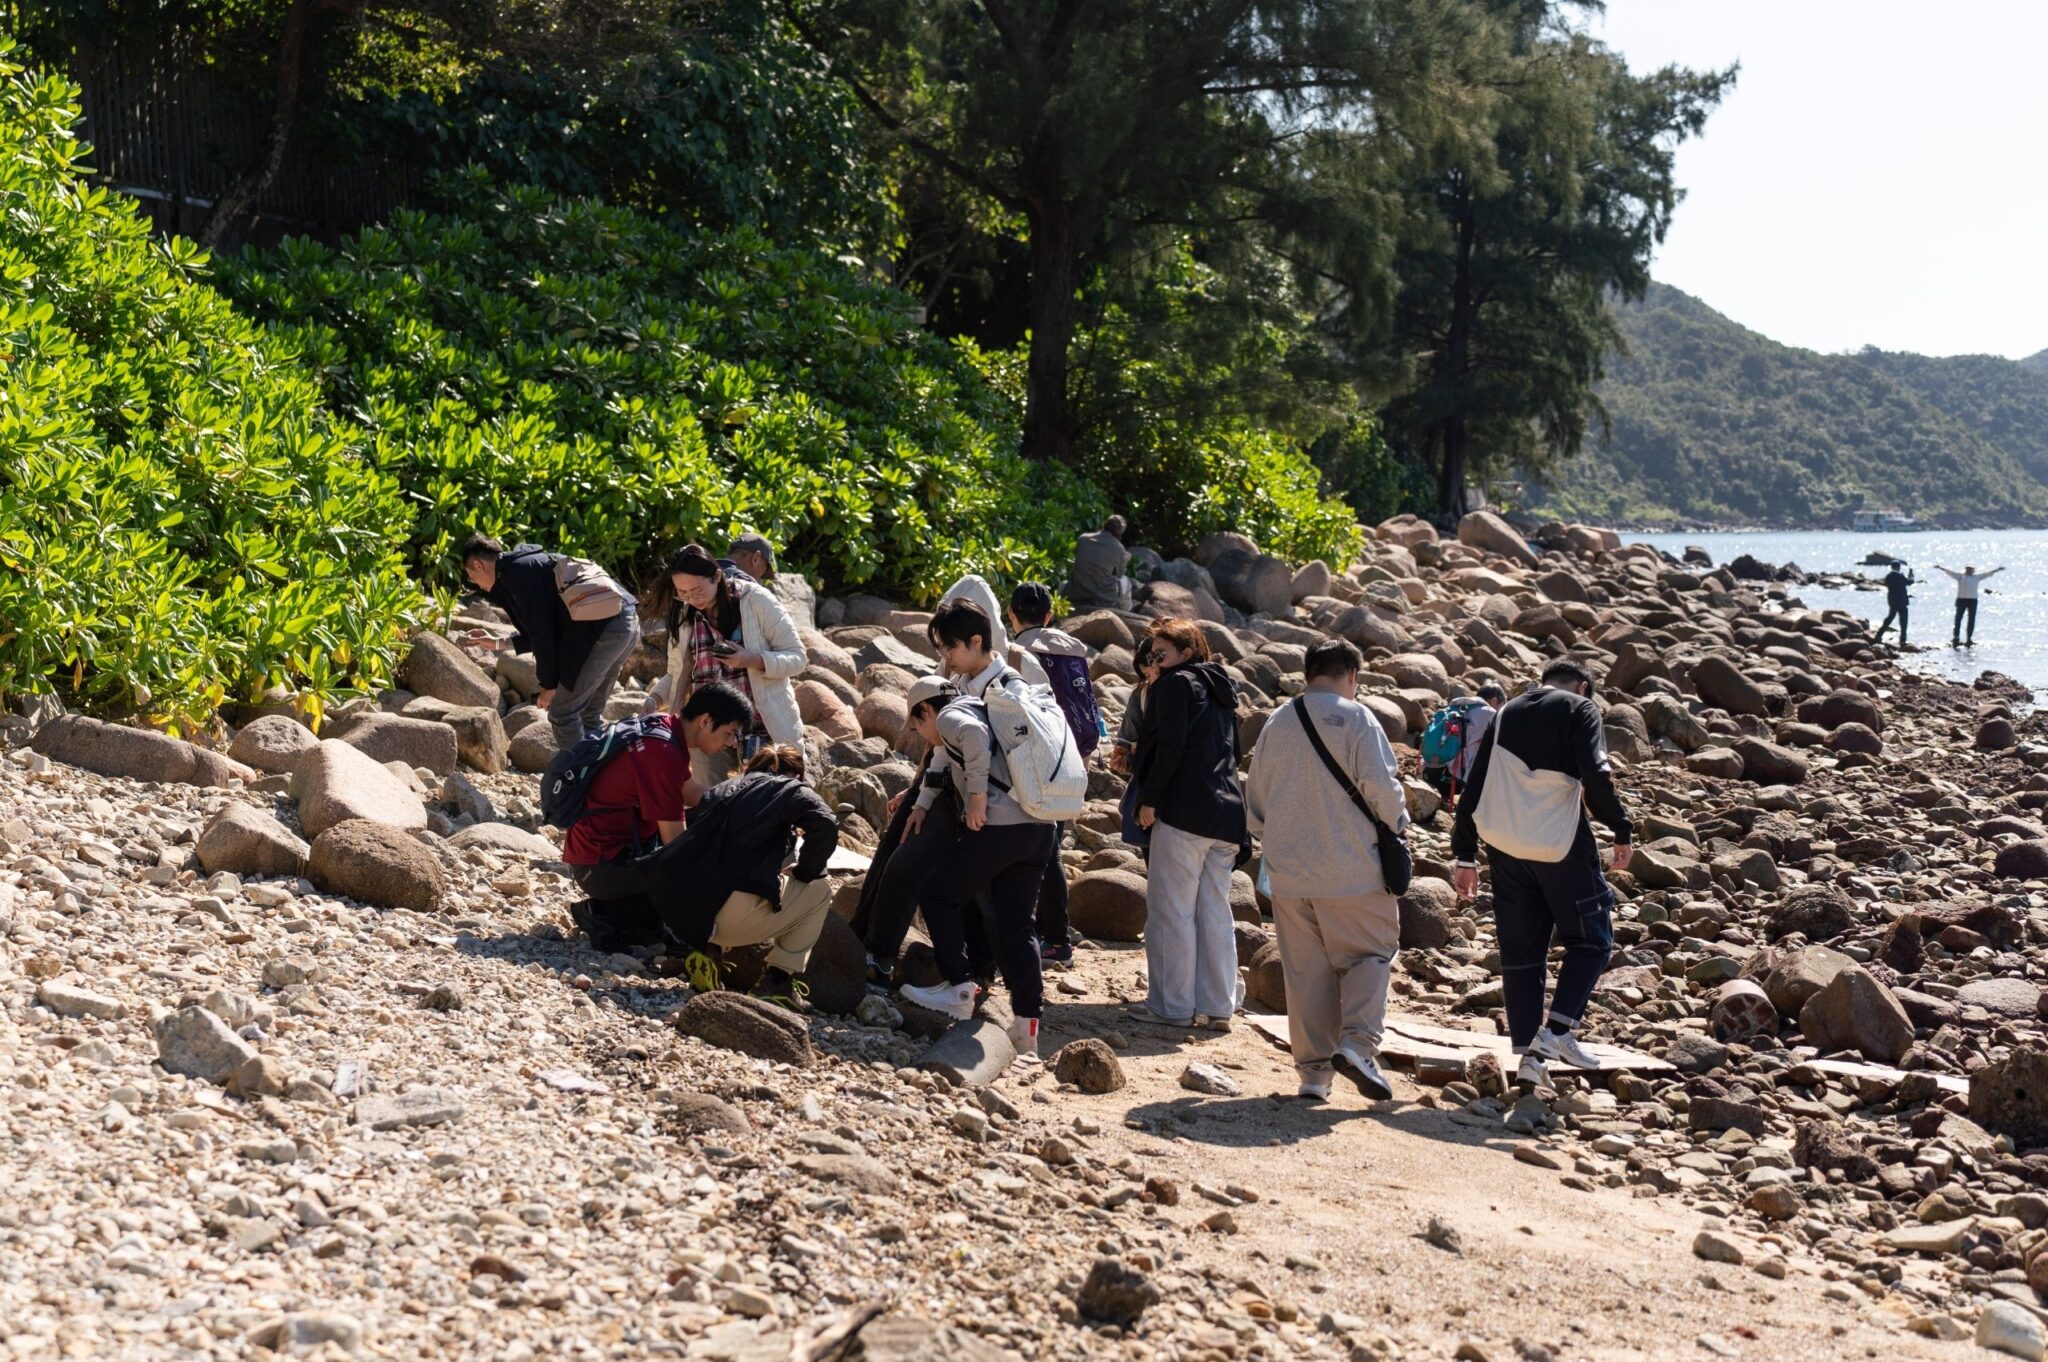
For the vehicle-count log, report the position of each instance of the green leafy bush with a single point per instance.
(180, 520)
(590, 378)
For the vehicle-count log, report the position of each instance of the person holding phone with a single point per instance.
(724, 627)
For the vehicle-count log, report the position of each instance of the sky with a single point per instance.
(1876, 177)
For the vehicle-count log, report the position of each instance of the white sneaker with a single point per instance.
(954, 1000)
(1364, 1072)
(1564, 1048)
(1533, 1072)
(1314, 1089)
(1024, 1040)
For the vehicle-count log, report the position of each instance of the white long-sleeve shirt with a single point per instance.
(1967, 583)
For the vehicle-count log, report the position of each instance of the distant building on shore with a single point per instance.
(1884, 522)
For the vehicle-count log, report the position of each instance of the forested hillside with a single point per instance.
(1712, 422)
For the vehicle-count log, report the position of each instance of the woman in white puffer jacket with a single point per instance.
(724, 627)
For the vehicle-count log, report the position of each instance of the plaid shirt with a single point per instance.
(706, 665)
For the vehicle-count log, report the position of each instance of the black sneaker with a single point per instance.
(778, 986)
(882, 975)
(1059, 956)
(603, 936)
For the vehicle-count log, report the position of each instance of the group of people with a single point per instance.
(695, 827)
(1898, 584)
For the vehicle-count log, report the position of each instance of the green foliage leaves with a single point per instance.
(180, 521)
(585, 376)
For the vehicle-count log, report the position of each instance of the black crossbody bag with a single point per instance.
(1397, 866)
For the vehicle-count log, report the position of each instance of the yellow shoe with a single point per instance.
(702, 971)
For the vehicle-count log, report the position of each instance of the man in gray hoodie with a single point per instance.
(1338, 926)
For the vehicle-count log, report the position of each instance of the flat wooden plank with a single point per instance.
(1412, 1039)
(1848, 1068)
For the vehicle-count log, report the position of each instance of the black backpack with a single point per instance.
(565, 785)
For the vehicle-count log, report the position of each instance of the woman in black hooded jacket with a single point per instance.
(1186, 768)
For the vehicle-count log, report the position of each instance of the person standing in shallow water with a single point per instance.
(1968, 582)
(1896, 599)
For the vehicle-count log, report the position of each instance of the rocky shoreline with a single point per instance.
(301, 1058)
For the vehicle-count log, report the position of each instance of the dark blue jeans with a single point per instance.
(1534, 901)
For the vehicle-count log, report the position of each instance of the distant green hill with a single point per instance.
(1713, 423)
(2037, 360)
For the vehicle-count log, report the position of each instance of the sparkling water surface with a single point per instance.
(2012, 611)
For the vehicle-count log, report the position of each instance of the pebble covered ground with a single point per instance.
(251, 1114)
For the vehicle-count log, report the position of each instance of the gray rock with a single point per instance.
(2005, 1327)
(134, 753)
(67, 999)
(532, 748)
(1089, 1065)
(1856, 1012)
(1429, 915)
(1207, 1078)
(1819, 912)
(2004, 996)
(1255, 583)
(420, 1107)
(375, 863)
(337, 782)
(505, 837)
(248, 841)
(972, 1054)
(194, 1042)
(1721, 683)
(438, 667)
(480, 739)
(273, 742)
(1108, 905)
(733, 1021)
(699, 1113)
(857, 1171)
(2010, 1097)
(1266, 980)
(1115, 1293)
(1696, 1054)
(1488, 532)
(393, 737)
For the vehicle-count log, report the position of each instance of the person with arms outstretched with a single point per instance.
(1968, 581)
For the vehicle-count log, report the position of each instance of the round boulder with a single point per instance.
(275, 743)
(1108, 905)
(374, 863)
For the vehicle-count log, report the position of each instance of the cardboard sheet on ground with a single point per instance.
(1846, 1068)
(849, 860)
(1411, 1039)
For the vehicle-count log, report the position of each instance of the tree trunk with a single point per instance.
(1049, 427)
(237, 198)
(1455, 435)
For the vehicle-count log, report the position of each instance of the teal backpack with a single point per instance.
(1444, 739)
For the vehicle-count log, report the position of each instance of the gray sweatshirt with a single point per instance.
(964, 730)
(1315, 841)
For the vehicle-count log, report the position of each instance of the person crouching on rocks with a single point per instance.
(1338, 926)
(1542, 765)
(636, 803)
(999, 850)
(722, 883)
(1193, 806)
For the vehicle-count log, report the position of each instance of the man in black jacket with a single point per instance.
(577, 661)
(1194, 805)
(1541, 766)
(722, 884)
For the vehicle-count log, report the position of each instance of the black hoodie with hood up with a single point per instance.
(1187, 768)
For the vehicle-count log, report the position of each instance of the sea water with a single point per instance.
(2012, 609)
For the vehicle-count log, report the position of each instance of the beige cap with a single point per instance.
(930, 688)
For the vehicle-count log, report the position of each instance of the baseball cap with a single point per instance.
(930, 688)
(751, 542)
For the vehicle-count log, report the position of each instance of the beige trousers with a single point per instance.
(749, 920)
(1337, 955)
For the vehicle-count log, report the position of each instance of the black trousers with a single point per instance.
(1963, 608)
(1007, 862)
(1897, 612)
(903, 876)
(1052, 895)
(617, 904)
(1535, 902)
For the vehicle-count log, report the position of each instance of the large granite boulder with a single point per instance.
(337, 782)
(248, 841)
(134, 753)
(439, 668)
(376, 863)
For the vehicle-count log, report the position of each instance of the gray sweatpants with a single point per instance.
(1190, 936)
(578, 707)
(1337, 955)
